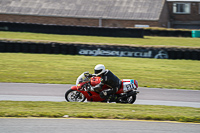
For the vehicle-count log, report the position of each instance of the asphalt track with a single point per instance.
(55, 92)
(22, 125)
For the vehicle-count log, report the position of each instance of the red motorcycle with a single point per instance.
(126, 94)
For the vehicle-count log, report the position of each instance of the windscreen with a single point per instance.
(81, 79)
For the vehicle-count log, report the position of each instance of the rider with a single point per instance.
(109, 79)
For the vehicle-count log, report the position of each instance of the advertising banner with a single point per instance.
(120, 52)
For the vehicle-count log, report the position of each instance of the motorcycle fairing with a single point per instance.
(91, 95)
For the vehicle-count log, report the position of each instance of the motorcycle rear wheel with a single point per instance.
(74, 96)
(131, 99)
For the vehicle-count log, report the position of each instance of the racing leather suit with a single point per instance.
(112, 81)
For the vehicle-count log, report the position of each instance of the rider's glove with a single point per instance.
(90, 88)
(87, 74)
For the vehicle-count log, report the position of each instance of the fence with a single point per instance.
(100, 50)
(167, 33)
(92, 31)
(72, 30)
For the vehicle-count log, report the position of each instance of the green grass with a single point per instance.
(147, 40)
(64, 69)
(98, 110)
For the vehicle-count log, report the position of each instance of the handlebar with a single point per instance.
(86, 87)
(88, 75)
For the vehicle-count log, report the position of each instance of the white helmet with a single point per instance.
(99, 69)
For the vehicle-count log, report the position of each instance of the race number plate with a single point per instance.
(128, 85)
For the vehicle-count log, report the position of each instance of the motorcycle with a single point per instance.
(82, 91)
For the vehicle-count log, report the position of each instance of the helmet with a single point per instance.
(99, 69)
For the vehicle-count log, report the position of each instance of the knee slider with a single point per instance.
(103, 94)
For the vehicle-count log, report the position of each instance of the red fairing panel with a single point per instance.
(74, 88)
(92, 96)
(136, 83)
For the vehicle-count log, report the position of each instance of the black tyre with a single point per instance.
(131, 99)
(74, 96)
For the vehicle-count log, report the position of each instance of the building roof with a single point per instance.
(183, 0)
(106, 9)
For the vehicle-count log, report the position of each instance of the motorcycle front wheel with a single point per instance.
(74, 96)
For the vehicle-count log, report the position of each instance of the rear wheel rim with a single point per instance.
(131, 99)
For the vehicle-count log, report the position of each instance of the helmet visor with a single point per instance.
(97, 71)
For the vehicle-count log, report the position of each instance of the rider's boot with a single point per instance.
(113, 98)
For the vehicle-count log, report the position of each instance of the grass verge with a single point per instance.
(98, 110)
(64, 69)
(147, 40)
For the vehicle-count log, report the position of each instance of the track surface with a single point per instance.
(12, 125)
(55, 92)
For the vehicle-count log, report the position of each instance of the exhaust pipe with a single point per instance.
(129, 94)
